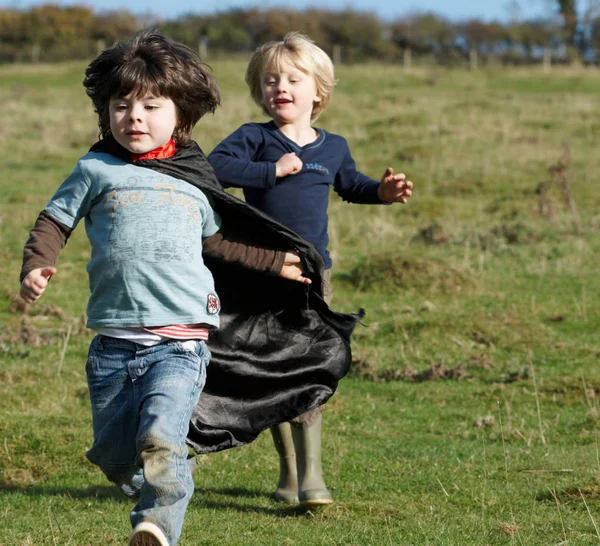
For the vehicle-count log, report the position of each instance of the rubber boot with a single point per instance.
(307, 441)
(287, 488)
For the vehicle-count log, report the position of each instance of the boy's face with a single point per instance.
(142, 124)
(289, 95)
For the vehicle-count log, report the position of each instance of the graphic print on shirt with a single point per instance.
(316, 167)
(152, 221)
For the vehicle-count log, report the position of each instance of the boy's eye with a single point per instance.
(120, 107)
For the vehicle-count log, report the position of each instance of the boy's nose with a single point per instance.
(135, 113)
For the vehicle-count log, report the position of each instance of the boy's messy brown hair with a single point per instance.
(151, 64)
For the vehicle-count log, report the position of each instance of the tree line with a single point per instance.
(50, 33)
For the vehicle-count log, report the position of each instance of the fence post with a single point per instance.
(35, 53)
(407, 58)
(473, 58)
(203, 47)
(337, 54)
(547, 59)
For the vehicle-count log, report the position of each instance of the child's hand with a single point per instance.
(35, 283)
(292, 269)
(394, 188)
(288, 164)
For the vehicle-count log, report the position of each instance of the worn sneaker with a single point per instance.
(147, 534)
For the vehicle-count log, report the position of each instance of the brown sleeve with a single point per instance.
(47, 238)
(261, 259)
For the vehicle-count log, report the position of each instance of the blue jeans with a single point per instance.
(142, 401)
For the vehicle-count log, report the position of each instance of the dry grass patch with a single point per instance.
(396, 272)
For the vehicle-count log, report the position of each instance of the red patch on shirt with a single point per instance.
(213, 305)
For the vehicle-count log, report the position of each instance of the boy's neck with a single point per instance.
(300, 134)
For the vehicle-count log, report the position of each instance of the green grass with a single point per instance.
(471, 415)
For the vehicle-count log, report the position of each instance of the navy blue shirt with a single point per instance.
(246, 159)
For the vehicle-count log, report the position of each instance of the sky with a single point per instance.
(488, 10)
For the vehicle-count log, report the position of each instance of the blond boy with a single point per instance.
(286, 168)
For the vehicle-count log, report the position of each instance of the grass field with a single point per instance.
(471, 415)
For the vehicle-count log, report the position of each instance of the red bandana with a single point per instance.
(162, 152)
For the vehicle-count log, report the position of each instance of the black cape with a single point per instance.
(280, 350)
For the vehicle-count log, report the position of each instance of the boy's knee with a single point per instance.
(153, 448)
(166, 468)
(159, 457)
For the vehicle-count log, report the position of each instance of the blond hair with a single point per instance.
(301, 52)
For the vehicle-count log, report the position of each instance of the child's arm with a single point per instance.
(234, 160)
(394, 188)
(355, 187)
(283, 264)
(45, 242)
